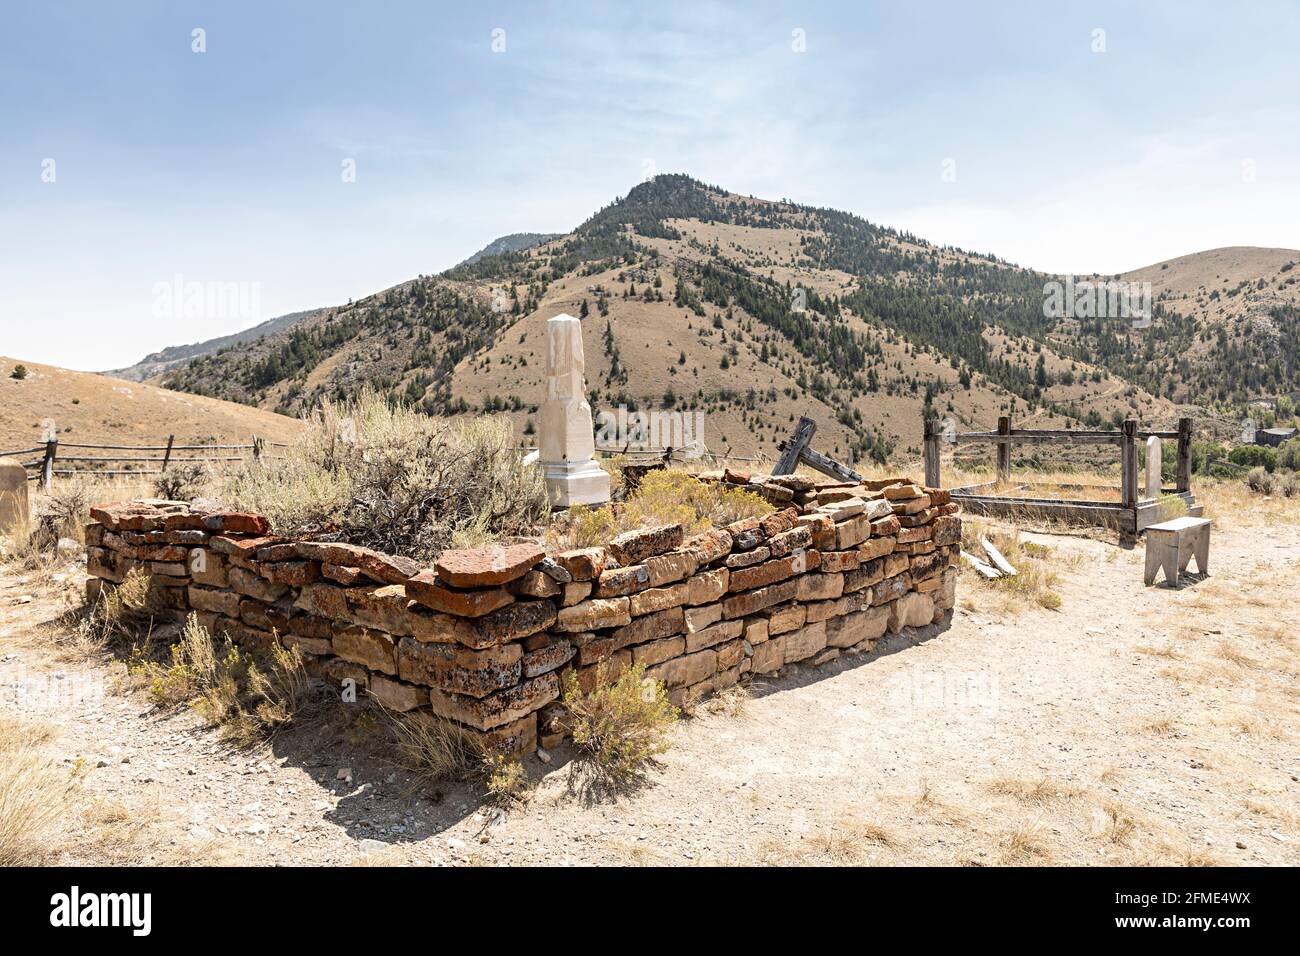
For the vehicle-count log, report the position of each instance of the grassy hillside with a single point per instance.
(754, 312)
(157, 363)
(100, 410)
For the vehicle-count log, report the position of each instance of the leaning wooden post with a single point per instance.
(47, 465)
(791, 450)
(931, 447)
(1004, 449)
(1184, 455)
(1128, 464)
(167, 455)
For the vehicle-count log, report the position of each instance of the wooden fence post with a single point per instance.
(931, 447)
(1184, 455)
(1004, 450)
(803, 433)
(167, 455)
(1128, 464)
(47, 465)
(257, 449)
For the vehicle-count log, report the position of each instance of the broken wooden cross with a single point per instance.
(797, 450)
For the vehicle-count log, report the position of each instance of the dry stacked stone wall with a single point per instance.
(485, 637)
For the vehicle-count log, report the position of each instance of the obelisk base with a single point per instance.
(576, 483)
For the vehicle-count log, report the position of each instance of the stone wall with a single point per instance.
(485, 637)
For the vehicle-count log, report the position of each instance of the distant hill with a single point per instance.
(1234, 325)
(754, 312)
(515, 242)
(157, 363)
(97, 409)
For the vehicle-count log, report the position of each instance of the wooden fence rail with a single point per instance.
(44, 469)
(1130, 515)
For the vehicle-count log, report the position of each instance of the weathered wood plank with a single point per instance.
(983, 569)
(791, 450)
(996, 558)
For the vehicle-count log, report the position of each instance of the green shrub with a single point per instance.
(1204, 452)
(1288, 456)
(620, 727)
(19, 372)
(1252, 456)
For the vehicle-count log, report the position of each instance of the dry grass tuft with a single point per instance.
(1119, 827)
(1024, 843)
(1160, 727)
(1037, 567)
(435, 750)
(249, 699)
(730, 702)
(1033, 792)
(35, 794)
(670, 496)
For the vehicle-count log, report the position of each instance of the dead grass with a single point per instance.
(1039, 569)
(1232, 500)
(436, 750)
(730, 703)
(1040, 792)
(669, 496)
(35, 794)
(249, 698)
(1160, 727)
(1024, 843)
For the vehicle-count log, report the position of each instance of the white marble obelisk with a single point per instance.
(572, 475)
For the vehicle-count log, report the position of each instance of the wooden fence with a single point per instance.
(1130, 515)
(83, 462)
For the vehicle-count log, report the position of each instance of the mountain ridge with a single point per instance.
(754, 311)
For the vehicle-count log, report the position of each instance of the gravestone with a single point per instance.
(1155, 462)
(567, 442)
(14, 515)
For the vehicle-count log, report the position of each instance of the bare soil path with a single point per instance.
(1132, 725)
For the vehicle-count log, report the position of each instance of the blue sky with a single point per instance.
(226, 165)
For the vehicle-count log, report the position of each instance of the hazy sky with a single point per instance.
(1176, 130)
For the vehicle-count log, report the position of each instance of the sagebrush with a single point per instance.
(620, 726)
(389, 477)
(182, 481)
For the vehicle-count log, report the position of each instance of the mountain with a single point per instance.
(515, 242)
(97, 409)
(754, 312)
(157, 363)
(1233, 329)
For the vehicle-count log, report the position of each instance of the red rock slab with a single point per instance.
(240, 547)
(487, 567)
(583, 564)
(428, 589)
(236, 522)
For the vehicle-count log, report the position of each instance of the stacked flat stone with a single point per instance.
(486, 636)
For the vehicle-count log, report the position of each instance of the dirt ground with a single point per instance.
(1131, 725)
